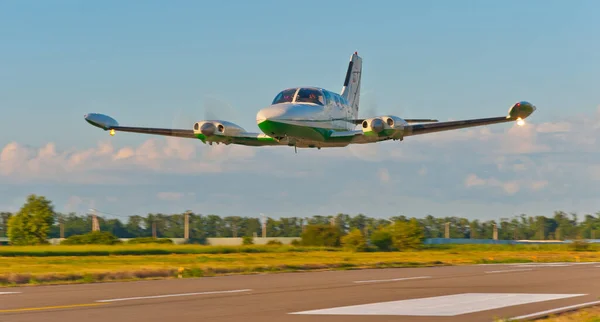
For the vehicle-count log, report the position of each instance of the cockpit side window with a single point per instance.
(337, 100)
(328, 98)
(285, 96)
(343, 100)
(307, 95)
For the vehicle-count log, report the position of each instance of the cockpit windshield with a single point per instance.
(305, 95)
(309, 95)
(285, 96)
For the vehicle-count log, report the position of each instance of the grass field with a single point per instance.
(584, 315)
(146, 249)
(75, 264)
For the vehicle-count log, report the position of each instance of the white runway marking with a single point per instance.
(393, 279)
(172, 295)
(554, 310)
(6, 293)
(449, 305)
(510, 270)
(540, 264)
(549, 265)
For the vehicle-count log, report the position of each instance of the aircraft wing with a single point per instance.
(370, 134)
(107, 123)
(517, 112)
(207, 131)
(359, 121)
(416, 129)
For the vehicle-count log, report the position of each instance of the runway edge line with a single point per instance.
(546, 313)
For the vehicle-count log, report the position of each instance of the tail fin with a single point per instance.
(351, 89)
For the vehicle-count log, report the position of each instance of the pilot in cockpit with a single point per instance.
(315, 98)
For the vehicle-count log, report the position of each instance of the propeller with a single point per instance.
(370, 152)
(369, 107)
(214, 109)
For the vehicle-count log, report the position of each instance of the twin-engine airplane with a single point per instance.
(311, 117)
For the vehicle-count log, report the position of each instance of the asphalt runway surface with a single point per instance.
(454, 293)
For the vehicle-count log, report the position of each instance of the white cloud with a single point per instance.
(20, 163)
(539, 185)
(554, 127)
(473, 180)
(511, 187)
(508, 186)
(170, 196)
(79, 204)
(384, 175)
(594, 172)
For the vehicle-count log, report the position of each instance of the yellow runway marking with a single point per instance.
(27, 309)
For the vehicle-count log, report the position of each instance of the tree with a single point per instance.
(355, 241)
(4, 217)
(407, 234)
(31, 225)
(321, 235)
(92, 238)
(382, 238)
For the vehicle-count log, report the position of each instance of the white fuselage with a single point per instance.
(331, 112)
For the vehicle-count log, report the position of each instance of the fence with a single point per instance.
(227, 241)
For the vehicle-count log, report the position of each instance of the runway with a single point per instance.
(458, 293)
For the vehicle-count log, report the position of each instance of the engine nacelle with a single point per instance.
(217, 127)
(381, 123)
(374, 124)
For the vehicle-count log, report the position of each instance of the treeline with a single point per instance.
(558, 226)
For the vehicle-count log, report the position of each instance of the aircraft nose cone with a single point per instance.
(270, 113)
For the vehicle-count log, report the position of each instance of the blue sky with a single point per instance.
(158, 63)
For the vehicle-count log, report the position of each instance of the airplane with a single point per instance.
(313, 117)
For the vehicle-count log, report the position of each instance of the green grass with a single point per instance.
(591, 314)
(77, 264)
(167, 249)
(583, 315)
(145, 249)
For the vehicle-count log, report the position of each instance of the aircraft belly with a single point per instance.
(309, 130)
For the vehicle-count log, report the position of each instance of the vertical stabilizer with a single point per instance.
(351, 89)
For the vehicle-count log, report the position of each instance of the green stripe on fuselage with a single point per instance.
(317, 134)
(311, 133)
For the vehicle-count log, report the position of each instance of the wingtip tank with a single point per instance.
(521, 110)
(102, 121)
